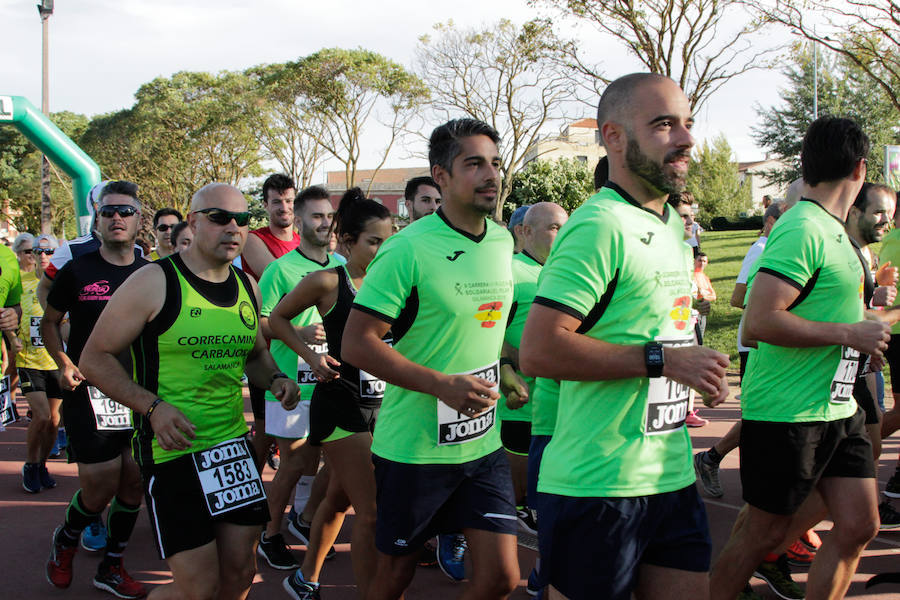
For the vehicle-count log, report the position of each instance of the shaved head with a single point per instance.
(543, 212)
(618, 97)
(216, 195)
(793, 193)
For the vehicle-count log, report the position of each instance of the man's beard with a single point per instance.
(644, 167)
(311, 235)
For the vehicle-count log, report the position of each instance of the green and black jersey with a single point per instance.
(810, 250)
(526, 269)
(625, 272)
(544, 403)
(192, 355)
(278, 279)
(446, 295)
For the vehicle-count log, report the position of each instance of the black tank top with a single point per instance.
(366, 388)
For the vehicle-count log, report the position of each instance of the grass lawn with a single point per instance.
(726, 250)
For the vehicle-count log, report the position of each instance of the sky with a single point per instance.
(101, 51)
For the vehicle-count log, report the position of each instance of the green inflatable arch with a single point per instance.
(62, 151)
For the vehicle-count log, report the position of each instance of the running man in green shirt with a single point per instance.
(804, 448)
(618, 511)
(192, 323)
(443, 286)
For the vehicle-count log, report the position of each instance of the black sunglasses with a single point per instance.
(123, 210)
(163, 227)
(221, 216)
(49, 251)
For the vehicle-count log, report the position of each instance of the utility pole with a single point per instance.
(45, 9)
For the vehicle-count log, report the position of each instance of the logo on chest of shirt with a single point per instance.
(456, 254)
(196, 312)
(247, 314)
(648, 237)
(99, 290)
(489, 313)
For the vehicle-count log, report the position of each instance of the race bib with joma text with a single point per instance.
(457, 428)
(109, 415)
(305, 375)
(845, 376)
(228, 476)
(667, 400)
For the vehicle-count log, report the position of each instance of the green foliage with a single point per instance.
(564, 181)
(20, 178)
(715, 182)
(844, 90)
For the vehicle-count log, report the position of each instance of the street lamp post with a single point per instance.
(45, 9)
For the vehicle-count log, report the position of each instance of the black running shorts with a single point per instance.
(782, 462)
(332, 406)
(36, 380)
(86, 443)
(516, 436)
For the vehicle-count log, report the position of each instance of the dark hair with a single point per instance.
(601, 173)
(701, 254)
(831, 149)
(278, 182)
(164, 212)
(354, 211)
(862, 198)
(412, 186)
(313, 192)
(676, 199)
(126, 188)
(444, 145)
(176, 231)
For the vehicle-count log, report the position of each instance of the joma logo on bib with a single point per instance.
(457, 428)
(228, 477)
(667, 400)
(221, 454)
(845, 376)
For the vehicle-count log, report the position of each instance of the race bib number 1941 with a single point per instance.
(109, 415)
(457, 428)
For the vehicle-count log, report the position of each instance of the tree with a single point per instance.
(564, 181)
(688, 40)
(506, 76)
(287, 132)
(20, 178)
(843, 90)
(182, 133)
(340, 93)
(865, 32)
(714, 180)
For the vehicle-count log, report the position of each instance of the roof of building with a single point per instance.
(400, 176)
(586, 123)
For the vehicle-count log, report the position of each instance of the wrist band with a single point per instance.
(153, 407)
(277, 375)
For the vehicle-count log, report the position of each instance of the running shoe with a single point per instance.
(527, 520)
(301, 532)
(890, 518)
(749, 594)
(708, 475)
(693, 420)
(47, 482)
(116, 580)
(31, 477)
(276, 552)
(300, 589)
(451, 554)
(59, 565)
(93, 538)
(428, 554)
(778, 575)
(54, 451)
(811, 540)
(533, 587)
(892, 489)
(798, 555)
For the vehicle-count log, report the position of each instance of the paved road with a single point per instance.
(26, 522)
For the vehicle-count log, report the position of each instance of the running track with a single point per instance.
(26, 522)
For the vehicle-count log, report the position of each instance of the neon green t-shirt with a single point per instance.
(890, 252)
(525, 276)
(544, 403)
(625, 272)
(447, 296)
(810, 250)
(280, 277)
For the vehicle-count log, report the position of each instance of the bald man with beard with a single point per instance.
(191, 321)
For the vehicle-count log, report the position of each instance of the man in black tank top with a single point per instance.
(203, 488)
(99, 428)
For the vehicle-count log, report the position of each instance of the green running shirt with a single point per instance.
(544, 402)
(278, 279)
(525, 276)
(890, 252)
(809, 249)
(192, 355)
(446, 295)
(625, 272)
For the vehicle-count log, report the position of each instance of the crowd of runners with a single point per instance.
(460, 381)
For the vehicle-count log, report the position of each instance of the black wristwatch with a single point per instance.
(277, 375)
(654, 359)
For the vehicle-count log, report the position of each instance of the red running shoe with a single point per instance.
(799, 555)
(693, 420)
(59, 565)
(116, 580)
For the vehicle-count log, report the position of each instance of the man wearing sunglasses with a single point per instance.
(163, 222)
(191, 320)
(98, 427)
